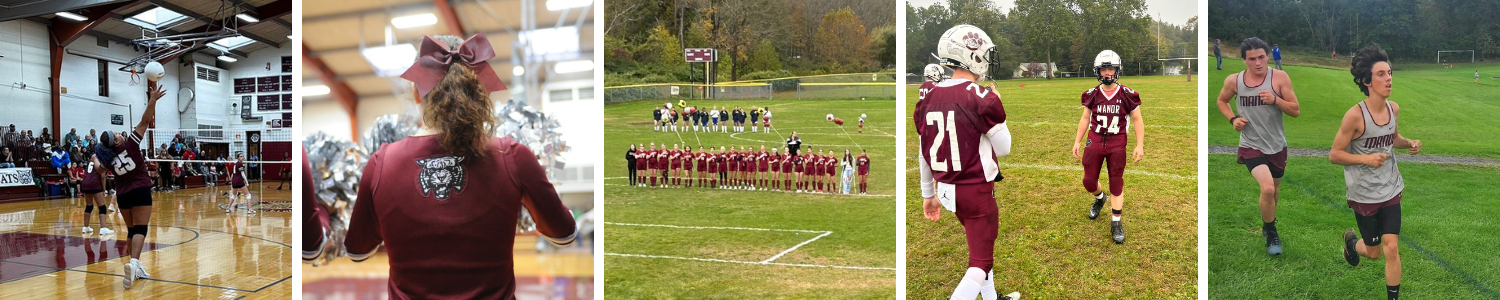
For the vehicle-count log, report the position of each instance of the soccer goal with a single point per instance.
(1451, 54)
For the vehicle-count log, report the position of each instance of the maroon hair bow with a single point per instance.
(434, 58)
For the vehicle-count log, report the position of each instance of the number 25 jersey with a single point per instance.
(953, 118)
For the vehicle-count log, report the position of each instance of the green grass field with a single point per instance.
(1447, 235)
(1442, 107)
(1048, 248)
(857, 260)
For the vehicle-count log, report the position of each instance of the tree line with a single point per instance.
(1406, 29)
(755, 39)
(1067, 32)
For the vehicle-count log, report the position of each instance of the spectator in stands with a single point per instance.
(7, 159)
(179, 177)
(75, 179)
(89, 140)
(9, 137)
(71, 139)
(60, 159)
(190, 154)
(24, 145)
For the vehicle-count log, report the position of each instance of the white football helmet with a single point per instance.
(933, 72)
(1108, 59)
(966, 47)
(829, 118)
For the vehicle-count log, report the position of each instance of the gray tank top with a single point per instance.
(1365, 184)
(1265, 132)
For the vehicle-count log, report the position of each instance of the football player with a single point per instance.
(961, 129)
(1109, 111)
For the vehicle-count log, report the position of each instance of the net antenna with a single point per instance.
(1440, 55)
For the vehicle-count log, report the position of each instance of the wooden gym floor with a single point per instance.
(194, 249)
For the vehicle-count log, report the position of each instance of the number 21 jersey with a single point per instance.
(952, 118)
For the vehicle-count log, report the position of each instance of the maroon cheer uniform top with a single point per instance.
(447, 220)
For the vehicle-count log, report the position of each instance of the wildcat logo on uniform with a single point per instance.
(441, 176)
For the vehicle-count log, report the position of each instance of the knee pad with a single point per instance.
(103, 209)
(89, 209)
(1116, 184)
(138, 229)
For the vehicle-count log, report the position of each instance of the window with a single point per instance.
(156, 18)
(230, 43)
(560, 95)
(208, 74)
(103, 78)
(586, 93)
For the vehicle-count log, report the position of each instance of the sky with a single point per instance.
(1172, 11)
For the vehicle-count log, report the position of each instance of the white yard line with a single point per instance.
(789, 250)
(745, 262)
(1080, 168)
(764, 262)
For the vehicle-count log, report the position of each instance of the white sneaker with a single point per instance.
(129, 274)
(87, 230)
(104, 231)
(139, 271)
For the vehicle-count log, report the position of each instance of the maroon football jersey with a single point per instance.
(127, 167)
(448, 234)
(1111, 109)
(952, 117)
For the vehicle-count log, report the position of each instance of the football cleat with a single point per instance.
(1098, 205)
(1118, 230)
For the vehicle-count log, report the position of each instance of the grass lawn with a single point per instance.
(1442, 107)
(707, 244)
(1048, 248)
(1447, 226)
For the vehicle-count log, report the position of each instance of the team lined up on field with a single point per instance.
(745, 168)
(693, 119)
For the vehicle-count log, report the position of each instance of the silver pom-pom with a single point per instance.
(534, 129)
(336, 166)
(389, 129)
(537, 131)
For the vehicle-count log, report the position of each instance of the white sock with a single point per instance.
(987, 289)
(969, 286)
(1114, 218)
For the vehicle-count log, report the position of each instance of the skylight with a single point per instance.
(230, 43)
(156, 18)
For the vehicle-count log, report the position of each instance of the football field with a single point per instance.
(695, 243)
(1047, 246)
(1447, 211)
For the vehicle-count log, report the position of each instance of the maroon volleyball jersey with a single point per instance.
(952, 118)
(1110, 109)
(129, 164)
(447, 220)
